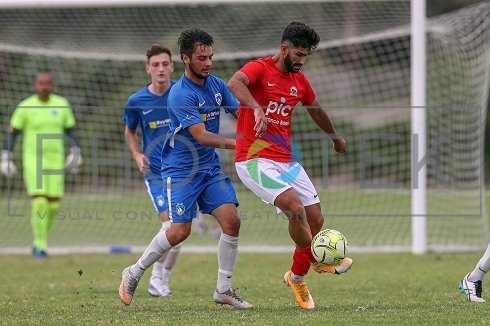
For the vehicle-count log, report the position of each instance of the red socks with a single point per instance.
(302, 258)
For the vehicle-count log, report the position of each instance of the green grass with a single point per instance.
(388, 289)
(128, 218)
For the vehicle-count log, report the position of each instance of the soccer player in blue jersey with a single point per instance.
(191, 168)
(147, 108)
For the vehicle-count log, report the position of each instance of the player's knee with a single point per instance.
(296, 212)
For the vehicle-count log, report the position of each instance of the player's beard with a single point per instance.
(196, 73)
(288, 63)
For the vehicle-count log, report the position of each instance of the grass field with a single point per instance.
(388, 289)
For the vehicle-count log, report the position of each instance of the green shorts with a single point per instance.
(43, 184)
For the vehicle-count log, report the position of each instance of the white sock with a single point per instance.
(159, 265)
(158, 246)
(481, 268)
(227, 255)
(297, 278)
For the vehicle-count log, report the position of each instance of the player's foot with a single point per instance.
(128, 285)
(301, 292)
(159, 289)
(472, 290)
(340, 268)
(232, 298)
(39, 253)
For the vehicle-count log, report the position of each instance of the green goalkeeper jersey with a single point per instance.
(43, 124)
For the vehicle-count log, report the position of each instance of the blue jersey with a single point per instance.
(189, 104)
(149, 111)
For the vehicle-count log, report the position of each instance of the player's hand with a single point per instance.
(143, 163)
(339, 144)
(73, 160)
(7, 167)
(260, 122)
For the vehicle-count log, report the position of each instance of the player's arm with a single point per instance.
(8, 167)
(132, 141)
(321, 118)
(207, 138)
(238, 85)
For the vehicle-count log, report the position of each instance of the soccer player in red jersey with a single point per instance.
(264, 160)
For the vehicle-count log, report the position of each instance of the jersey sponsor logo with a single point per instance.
(159, 123)
(210, 115)
(280, 109)
(146, 112)
(263, 179)
(293, 91)
(218, 98)
(270, 84)
(54, 113)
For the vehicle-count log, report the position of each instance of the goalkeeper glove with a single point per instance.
(7, 166)
(73, 160)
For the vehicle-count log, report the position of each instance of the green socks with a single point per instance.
(43, 216)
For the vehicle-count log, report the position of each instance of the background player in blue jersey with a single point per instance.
(147, 108)
(191, 169)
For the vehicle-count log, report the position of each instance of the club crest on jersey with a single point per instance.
(218, 98)
(54, 113)
(293, 91)
(180, 207)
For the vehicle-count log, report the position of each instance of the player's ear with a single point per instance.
(185, 58)
(284, 49)
(147, 68)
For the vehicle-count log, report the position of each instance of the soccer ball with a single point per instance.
(329, 247)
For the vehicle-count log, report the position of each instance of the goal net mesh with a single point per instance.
(360, 73)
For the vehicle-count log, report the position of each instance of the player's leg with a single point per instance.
(471, 284)
(308, 195)
(182, 209)
(162, 269)
(160, 244)
(278, 192)
(39, 221)
(219, 199)
(39, 208)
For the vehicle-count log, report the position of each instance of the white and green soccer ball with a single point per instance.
(329, 247)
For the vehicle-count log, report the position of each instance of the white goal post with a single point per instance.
(408, 93)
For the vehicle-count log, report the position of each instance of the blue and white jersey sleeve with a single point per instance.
(183, 106)
(131, 116)
(229, 103)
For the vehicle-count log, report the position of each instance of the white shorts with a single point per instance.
(268, 179)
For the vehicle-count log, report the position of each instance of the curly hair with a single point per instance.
(190, 39)
(300, 36)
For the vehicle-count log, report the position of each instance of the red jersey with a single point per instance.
(278, 93)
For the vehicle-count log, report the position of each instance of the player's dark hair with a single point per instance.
(157, 49)
(301, 36)
(190, 39)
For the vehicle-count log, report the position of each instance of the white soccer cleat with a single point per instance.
(128, 285)
(472, 290)
(232, 298)
(159, 289)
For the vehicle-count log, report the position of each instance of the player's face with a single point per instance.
(200, 62)
(43, 86)
(160, 67)
(295, 58)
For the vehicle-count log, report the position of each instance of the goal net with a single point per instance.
(360, 73)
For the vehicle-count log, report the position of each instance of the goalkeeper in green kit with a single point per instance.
(44, 118)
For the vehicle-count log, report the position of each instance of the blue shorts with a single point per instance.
(157, 194)
(209, 189)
